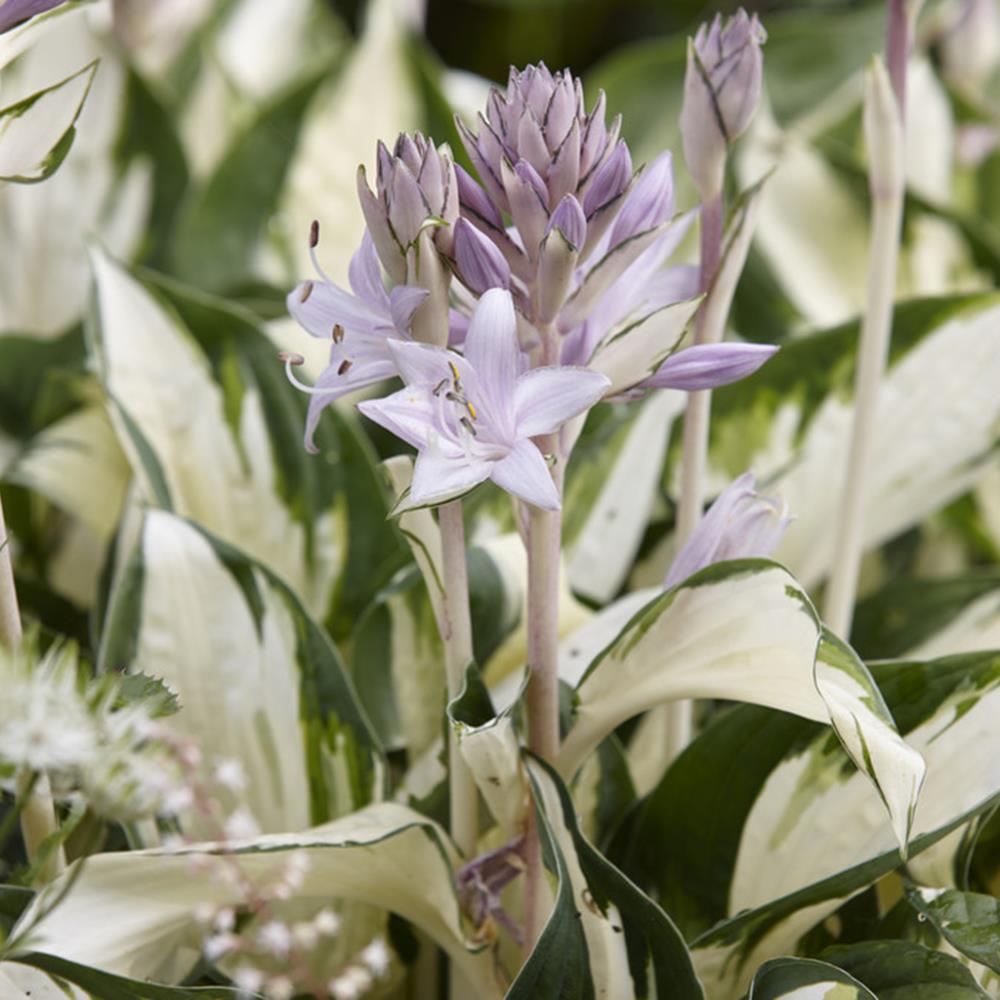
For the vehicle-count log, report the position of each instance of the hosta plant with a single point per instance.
(599, 598)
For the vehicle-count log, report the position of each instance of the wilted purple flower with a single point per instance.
(480, 883)
(472, 418)
(15, 12)
(740, 524)
(360, 327)
(722, 88)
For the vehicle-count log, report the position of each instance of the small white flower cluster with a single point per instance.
(83, 732)
(357, 978)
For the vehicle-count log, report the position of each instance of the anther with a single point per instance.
(344, 366)
(471, 409)
(440, 387)
(307, 290)
(314, 234)
(291, 358)
(338, 333)
(467, 424)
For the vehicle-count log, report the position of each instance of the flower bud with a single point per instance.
(480, 264)
(722, 88)
(416, 188)
(883, 133)
(970, 45)
(741, 524)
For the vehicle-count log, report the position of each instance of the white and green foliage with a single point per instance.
(257, 679)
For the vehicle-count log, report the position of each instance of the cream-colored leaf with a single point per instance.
(133, 913)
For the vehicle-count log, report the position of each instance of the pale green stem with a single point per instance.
(876, 328)
(38, 814)
(456, 633)
(710, 325)
(542, 702)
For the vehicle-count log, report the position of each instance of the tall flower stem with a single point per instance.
(709, 329)
(544, 556)
(457, 637)
(456, 633)
(38, 813)
(884, 135)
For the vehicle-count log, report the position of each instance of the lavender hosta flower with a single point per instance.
(480, 883)
(15, 12)
(708, 366)
(535, 145)
(722, 88)
(472, 417)
(410, 217)
(359, 326)
(740, 524)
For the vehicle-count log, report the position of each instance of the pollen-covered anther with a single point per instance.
(467, 424)
(337, 333)
(307, 288)
(344, 367)
(314, 234)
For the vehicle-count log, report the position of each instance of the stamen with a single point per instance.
(454, 370)
(297, 359)
(470, 408)
(338, 333)
(439, 388)
(344, 366)
(313, 241)
(307, 290)
(467, 424)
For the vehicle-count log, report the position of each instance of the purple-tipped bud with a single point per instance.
(540, 119)
(722, 89)
(14, 12)
(708, 366)
(569, 219)
(480, 264)
(415, 188)
(610, 180)
(650, 202)
(474, 199)
(740, 524)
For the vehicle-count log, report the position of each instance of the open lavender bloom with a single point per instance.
(722, 88)
(472, 417)
(359, 326)
(740, 524)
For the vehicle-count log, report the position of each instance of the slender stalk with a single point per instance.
(709, 328)
(885, 148)
(457, 637)
(542, 701)
(38, 812)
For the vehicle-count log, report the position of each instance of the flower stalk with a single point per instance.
(457, 637)
(884, 139)
(38, 813)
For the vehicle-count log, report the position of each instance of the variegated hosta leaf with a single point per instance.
(907, 969)
(46, 977)
(489, 744)
(202, 448)
(805, 979)
(744, 631)
(37, 132)
(604, 936)
(133, 913)
(257, 679)
(610, 495)
(341, 129)
(113, 185)
(969, 921)
(795, 832)
(935, 431)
